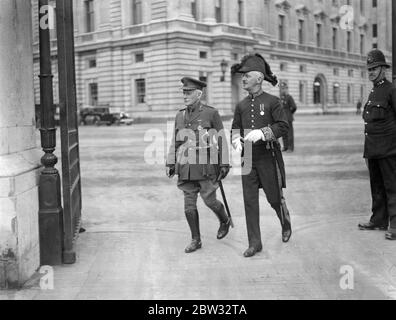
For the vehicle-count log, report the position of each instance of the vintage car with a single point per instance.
(103, 115)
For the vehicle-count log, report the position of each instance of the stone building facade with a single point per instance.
(131, 54)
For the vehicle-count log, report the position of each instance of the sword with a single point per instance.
(225, 202)
(275, 162)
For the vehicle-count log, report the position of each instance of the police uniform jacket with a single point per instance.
(258, 112)
(289, 106)
(380, 122)
(198, 136)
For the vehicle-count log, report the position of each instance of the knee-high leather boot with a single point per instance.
(193, 222)
(225, 222)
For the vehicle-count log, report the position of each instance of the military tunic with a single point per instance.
(258, 112)
(195, 149)
(380, 150)
(198, 149)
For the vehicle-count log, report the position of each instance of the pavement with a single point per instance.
(136, 231)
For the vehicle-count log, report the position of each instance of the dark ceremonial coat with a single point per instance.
(258, 112)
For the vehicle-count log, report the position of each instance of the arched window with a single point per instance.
(317, 89)
(336, 93)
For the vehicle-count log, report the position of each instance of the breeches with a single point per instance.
(207, 190)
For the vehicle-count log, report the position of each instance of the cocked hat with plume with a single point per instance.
(255, 62)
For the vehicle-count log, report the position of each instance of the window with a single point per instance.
(235, 56)
(349, 93)
(283, 66)
(362, 8)
(281, 28)
(93, 94)
(349, 41)
(362, 44)
(140, 90)
(336, 93)
(301, 89)
(89, 16)
(318, 34)
(203, 55)
(375, 30)
(375, 45)
(374, 3)
(92, 63)
(335, 38)
(136, 12)
(241, 19)
(301, 36)
(336, 71)
(303, 68)
(194, 9)
(350, 73)
(139, 57)
(218, 11)
(363, 74)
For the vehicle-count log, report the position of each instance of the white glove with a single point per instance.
(237, 144)
(255, 136)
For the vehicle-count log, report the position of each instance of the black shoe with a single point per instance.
(223, 230)
(390, 236)
(251, 251)
(372, 226)
(193, 246)
(286, 235)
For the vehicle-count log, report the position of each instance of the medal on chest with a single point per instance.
(262, 113)
(199, 125)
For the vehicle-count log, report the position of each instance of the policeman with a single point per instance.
(290, 108)
(259, 120)
(199, 156)
(380, 146)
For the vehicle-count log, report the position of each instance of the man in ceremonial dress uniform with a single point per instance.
(259, 120)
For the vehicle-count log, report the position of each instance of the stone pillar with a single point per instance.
(208, 11)
(232, 9)
(184, 9)
(19, 156)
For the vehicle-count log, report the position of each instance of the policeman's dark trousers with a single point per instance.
(383, 191)
(288, 139)
(207, 190)
(262, 173)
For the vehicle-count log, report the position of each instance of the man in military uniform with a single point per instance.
(199, 156)
(290, 108)
(380, 146)
(259, 120)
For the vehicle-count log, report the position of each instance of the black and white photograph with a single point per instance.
(213, 152)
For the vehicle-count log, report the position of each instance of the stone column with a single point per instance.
(19, 156)
(208, 11)
(184, 9)
(231, 7)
